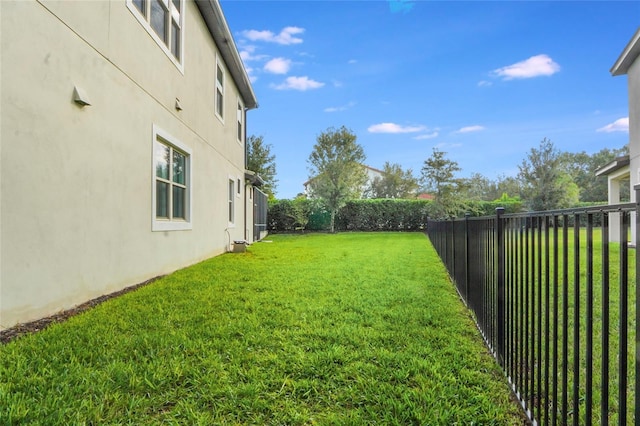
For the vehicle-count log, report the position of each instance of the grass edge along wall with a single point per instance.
(353, 328)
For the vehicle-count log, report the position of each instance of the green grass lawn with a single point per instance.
(361, 328)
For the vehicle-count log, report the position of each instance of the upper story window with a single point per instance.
(240, 119)
(219, 91)
(164, 21)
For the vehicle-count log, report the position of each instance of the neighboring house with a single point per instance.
(628, 167)
(425, 196)
(371, 175)
(122, 147)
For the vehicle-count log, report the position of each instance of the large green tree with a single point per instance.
(582, 167)
(546, 182)
(336, 172)
(263, 162)
(439, 178)
(394, 183)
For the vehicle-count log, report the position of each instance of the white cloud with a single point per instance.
(535, 66)
(484, 83)
(298, 83)
(352, 61)
(427, 136)
(340, 108)
(286, 36)
(448, 145)
(278, 66)
(469, 129)
(394, 128)
(247, 54)
(620, 125)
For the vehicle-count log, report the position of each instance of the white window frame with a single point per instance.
(219, 90)
(175, 15)
(157, 224)
(240, 119)
(231, 201)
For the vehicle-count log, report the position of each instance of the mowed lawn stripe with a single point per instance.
(353, 328)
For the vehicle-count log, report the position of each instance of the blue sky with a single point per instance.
(484, 81)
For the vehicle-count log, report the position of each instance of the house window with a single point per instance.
(141, 5)
(171, 183)
(240, 119)
(232, 192)
(164, 21)
(219, 91)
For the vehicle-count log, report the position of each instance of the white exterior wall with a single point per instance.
(613, 181)
(77, 181)
(633, 82)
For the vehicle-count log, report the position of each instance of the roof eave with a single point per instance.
(217, 26)
(628, 56)
(253, 178)
(613, 166)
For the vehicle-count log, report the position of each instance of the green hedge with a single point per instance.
(367, 214)
(383, 215)
(488, 208)
(281, 215)
(357, 215)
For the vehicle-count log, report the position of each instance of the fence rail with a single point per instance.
(555, 299)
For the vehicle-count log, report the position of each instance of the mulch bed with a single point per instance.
(34, 326)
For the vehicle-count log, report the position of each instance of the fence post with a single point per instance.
(453, 250)
(500, 282)
(636, 239)
(466, 257)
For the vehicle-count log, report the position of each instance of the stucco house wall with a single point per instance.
(77, 182)
(633, 82)
(627, 64)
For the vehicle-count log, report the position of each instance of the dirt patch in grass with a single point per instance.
(19, 330)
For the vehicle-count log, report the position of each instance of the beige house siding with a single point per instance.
(76, 212)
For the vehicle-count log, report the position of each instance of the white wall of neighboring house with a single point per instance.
(629, 64)
(77, 203)
(633, 81)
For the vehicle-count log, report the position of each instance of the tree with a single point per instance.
(439, 176)
(261, 161)
(546, 183)
(479, 187)
(336, 172)
(582, 168)
(506, 185)
(394, 183)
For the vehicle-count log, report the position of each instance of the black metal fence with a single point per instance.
(555, 299)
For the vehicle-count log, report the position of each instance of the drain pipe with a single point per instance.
(229, 239)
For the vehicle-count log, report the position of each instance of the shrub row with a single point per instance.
(365, 215)
(383, 215)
